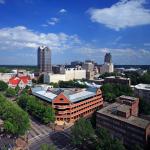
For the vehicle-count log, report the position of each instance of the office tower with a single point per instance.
(108, 65)
(108, 58)
(44, 59)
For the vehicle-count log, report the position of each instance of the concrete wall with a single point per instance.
(69, 75)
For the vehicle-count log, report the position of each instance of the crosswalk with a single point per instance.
(37, 131)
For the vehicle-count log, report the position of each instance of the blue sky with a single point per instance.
(75, 30)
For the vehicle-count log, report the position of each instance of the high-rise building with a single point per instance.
(108, 58)
(44, 59)
(108, 65)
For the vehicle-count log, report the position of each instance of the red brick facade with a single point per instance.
(70, 112)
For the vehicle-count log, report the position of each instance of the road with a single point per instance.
(60, 139)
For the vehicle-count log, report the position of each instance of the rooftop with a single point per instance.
(136, 121)
(130, 98)
(116, 77)
(143, 87)
(73, 94)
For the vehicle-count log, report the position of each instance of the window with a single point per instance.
(61, 99)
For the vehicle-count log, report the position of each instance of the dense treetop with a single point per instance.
(16, 121)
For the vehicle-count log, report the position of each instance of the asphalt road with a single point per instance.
(60, 139)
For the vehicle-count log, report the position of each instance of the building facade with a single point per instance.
(71, 104)
(44, 59)
(118, 80)
(122, 121)
(108, 65)
(66, 75)
(142, 91)
(108, 58)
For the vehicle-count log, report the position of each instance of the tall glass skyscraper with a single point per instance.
(44, 59)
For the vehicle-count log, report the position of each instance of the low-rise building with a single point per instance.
(21, 81)
(118, 80)
(6, 76)
(121, 119)
(71, 103)
(68, 74)
(142, 91)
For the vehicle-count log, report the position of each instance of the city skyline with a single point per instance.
(75, 31)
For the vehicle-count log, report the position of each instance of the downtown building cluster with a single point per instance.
(70, 104)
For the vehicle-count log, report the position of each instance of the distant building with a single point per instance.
(76, 63)
(108, 58)
(21, 81)
(89, 67)
(122, 121)
(71, 103)
(58, 69)
(68, 74)
(118, 80)
(107, 68)
(44, 59)
(142, 91)
(108, 65)
(6, 76)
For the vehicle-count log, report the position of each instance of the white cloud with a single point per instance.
(44, 25)
(147, 44)
(126, 13)
(53, 21)
(2, 1)
(62, 11)
(21, 37)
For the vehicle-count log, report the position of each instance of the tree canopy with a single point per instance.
(104, 141)
(16, 121)
(82, 131)
(112, 91)
(10, 92)
(3, 86)
(36, 108)
(144, 107)
(70, 84)
(47, 147)
(84, 135)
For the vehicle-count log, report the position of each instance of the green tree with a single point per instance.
(3, 86)
(55, 85)
(17, 89)
(41, 79)
(16, 121)
(112, 91)
(144, 107)
(103, 141)
(47, 147)
(10, 92)
(81, 131)
(36, 108)
(137, 147)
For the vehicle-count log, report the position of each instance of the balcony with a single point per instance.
(61, 107)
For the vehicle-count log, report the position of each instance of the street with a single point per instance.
(37, 131)
(60, 139)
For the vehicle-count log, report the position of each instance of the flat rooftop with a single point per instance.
(143, 87)
(130, 98)
(135, 121)
(117, 77)
(73, 94)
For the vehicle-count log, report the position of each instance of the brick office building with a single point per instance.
(71, 103)
(121, 119)
(118, 80)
